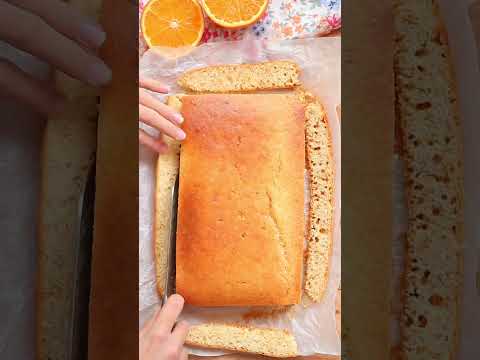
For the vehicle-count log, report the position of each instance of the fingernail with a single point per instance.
(92, 35)
(178, 299)
(178, 118)
(181, 134)
(99, 74)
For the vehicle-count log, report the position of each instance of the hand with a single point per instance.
(55, 33)
(157, 339)
(158, 115)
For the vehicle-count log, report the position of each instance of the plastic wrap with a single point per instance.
(313, 325)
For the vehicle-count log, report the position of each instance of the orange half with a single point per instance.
(234, 13)
(172, 23)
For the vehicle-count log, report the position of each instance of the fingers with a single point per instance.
(179, 334)
(157, 121)
(184, 354)
(153, 85)
(34, 35)
(65, 19)
(157, 335)
(19, 85)
(149, 323)
(169, 313)
(166, 111)
(156, 145)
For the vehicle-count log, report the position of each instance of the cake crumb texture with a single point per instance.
(427, 111)
(242, 77)
(320, 166)
(263, 341)
(167, 171)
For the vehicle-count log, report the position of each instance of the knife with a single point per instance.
(169, 286)
(78, 321)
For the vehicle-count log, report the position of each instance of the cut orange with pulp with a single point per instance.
(172, 23)
(234, 13)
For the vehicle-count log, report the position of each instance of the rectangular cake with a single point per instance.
(240, 230)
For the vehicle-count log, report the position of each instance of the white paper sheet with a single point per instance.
(313, 325)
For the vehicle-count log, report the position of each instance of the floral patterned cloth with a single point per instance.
(284, 19)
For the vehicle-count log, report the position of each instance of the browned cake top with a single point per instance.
(241, 203)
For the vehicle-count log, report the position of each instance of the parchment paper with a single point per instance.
(313, 325)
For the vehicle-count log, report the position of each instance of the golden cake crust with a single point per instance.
(241, 225)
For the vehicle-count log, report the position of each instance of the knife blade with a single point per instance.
(78, 320)
(169, 286)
